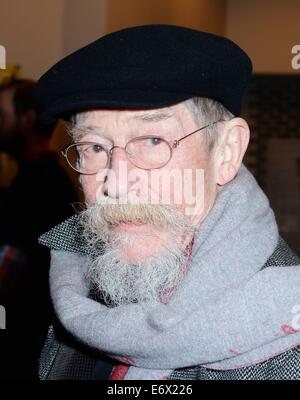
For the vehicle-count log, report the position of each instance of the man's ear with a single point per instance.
(231, 149)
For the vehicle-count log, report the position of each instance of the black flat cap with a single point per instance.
(146, 67)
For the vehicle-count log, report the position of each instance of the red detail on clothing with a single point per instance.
(288, 329)
(118, 372)
(236, 353)
(125, 360)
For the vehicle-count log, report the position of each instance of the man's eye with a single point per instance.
(95, 148)
(153, 141)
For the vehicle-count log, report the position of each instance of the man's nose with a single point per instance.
(116, 181)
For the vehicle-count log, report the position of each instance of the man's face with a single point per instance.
(139, 244)
(178, 178)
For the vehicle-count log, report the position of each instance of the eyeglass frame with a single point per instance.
(173, 144)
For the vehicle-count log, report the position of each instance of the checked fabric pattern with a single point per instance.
(64, 358)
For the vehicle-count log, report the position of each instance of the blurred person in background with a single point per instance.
(40, 195)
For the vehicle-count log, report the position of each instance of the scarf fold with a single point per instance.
(229, 311)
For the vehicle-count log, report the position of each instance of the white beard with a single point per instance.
(149, 280)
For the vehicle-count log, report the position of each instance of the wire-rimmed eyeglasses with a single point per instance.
(145, 152)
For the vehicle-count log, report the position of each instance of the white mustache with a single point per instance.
(110, 274)
(107, 214)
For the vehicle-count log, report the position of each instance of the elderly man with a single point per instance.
(174, 269)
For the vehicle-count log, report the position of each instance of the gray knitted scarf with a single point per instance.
(229, 312)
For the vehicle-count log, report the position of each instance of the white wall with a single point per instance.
(199, 14)
(267, 30)
(31, 31)
(38, 33)
(83, 22)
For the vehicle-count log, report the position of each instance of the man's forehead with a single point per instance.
(151, 115)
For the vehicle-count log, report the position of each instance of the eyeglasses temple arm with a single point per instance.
(177, 141)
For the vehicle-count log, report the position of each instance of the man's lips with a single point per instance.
(128, 227)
